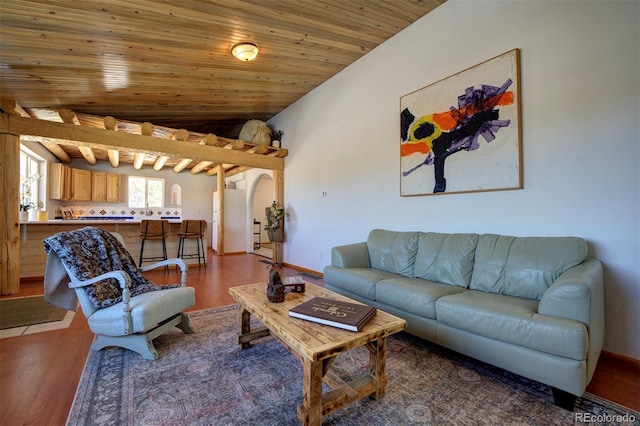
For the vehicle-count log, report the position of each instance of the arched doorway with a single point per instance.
(263, 194)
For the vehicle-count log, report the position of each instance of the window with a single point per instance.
(31, 170)
(146, 192)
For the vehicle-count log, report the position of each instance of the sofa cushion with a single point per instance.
(513, 320)
(445, 258)
(414, 295)
(393, 251)
(360, 281)
(523, 266)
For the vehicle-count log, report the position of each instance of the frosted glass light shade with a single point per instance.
(245, 51)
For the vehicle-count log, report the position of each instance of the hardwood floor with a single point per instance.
(39, 373)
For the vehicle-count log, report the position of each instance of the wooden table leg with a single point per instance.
(245, 327)
(310, 411)
(246, 335)
(377, 362)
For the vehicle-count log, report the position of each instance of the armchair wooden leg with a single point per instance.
(185, 324)
(140, 343)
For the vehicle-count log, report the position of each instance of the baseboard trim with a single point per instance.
(301, 269)
(635, 363)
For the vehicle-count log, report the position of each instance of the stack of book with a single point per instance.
(348, 316)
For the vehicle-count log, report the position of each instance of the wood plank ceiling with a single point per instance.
(169, 62)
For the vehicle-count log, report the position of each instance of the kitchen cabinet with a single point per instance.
(68, 184)
(81, 185)
(59, 181)
(105, 187)
(113, 187)
(99, 186)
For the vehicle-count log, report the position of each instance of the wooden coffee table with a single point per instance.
(317, 346)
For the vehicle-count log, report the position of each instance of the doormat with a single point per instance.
(25, 311)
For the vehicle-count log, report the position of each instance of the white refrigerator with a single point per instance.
(235, 221)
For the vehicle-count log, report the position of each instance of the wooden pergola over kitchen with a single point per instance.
(67, 135)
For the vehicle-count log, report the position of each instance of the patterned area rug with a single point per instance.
(206, 379)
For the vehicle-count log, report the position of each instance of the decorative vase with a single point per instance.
(24, 216)
(262, 136)
(275, 288)
(276, 236)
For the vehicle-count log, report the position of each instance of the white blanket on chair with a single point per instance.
(56, 285)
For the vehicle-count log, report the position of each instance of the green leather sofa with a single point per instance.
(530, 305)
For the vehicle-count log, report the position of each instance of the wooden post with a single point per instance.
(220, 190)
(10, 227)
(278, 182)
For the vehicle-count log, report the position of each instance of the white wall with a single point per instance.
(581, 155)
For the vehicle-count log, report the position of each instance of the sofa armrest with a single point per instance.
(577, 294)
(351, 256)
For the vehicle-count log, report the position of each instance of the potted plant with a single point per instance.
(274, 225)
(24, 211)
(276, 138)
(26, 204)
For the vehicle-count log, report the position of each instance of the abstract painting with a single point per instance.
(462, 133)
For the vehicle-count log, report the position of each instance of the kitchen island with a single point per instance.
(33, 258)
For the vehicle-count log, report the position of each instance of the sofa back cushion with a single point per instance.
(523, 266)
(445, 258)
(393, 251)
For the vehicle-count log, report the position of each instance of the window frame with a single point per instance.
(37, 186)
(146, 192)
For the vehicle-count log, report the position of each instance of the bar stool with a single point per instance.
(193, 230)
(154, 230)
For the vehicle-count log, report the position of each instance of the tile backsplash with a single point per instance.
(121, 213)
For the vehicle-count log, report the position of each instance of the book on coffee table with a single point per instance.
(345, 315)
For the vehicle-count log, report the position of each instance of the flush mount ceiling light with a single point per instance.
(245, 51)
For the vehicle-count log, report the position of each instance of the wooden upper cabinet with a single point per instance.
(59, 181)
(69, 184)
(99, 186)
(105, 187)
(81, 185)
(113, 187)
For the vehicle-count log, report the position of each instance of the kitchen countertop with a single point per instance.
(89, 222)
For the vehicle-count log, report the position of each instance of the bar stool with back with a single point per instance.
(193, 230)
(154, 230)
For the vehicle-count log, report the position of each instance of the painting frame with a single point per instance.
(474, 114)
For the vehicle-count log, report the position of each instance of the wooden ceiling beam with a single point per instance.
(146, 129)
(95, 137)
(70, 117)
(180, 135)
(200, 167)
(10, 106)
(236, 144)
(111, 123)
